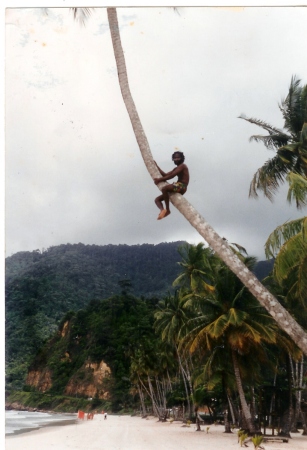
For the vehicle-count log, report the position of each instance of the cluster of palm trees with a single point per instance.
(215, 332)
(217, 341)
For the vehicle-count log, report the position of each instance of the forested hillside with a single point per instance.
(101, 337)
(42, 286)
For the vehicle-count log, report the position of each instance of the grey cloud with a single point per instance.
(73, 167)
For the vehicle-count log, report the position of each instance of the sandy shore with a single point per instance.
(134, 433)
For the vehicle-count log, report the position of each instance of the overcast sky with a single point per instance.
(74, 172)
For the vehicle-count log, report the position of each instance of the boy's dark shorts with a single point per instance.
(180, 187)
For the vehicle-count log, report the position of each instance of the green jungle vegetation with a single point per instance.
(107, 330)
(172, 350)
(30, 400)
(40, 287)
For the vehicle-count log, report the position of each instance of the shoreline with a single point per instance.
(134, 433)
(60, 423)
(40, 430)
(21, 422)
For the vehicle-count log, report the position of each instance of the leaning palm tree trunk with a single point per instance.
(141, 399)
(219, 245)
(230, 405)
(184, 378)
(155, 406)
(245, 409)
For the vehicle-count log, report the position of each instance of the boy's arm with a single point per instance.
(169, 175)
(172, 173)
(160, 170)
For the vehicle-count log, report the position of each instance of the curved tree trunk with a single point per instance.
(226, 408)
(220, 246)
(155, 406)
(288, 415)
(142, 400)
(234, 415)
(184, 382)
(245, 409)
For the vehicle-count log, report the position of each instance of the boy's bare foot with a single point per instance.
(163, 214)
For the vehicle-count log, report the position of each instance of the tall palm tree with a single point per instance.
(219, 245)
(289, 144)
(218, 371)
(197, 269)
(145, 369)
(231, 317)
(170, 322)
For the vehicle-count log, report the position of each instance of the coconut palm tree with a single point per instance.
(231, 317)
(289, 144)
(145, 370)
(218, 244)
(197, 269)
(170, 322)
(218, 371)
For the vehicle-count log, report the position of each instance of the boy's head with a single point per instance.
(178, 155)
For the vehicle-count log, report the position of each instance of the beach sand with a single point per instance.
(135, 433)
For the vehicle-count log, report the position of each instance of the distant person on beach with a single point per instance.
(105, 416)
(179, 186)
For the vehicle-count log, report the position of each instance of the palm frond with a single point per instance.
(269, 177)
(202, 339)
(236, 317)
(291, 264)
(304, 135)
(82, 14)
(240, 248)
(291, 108)
(273, 141)
(281, 234)
(261, 123)
(261, 330)
(179, 279)
(217, 327)
(297, 189)
(289, 153)
(290, 145)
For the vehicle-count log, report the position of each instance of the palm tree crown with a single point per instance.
(290, 144)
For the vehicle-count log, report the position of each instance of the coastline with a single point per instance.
(59, 423)
(135, 433)
(20, 422)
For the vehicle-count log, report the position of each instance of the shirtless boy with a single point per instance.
(180, 186)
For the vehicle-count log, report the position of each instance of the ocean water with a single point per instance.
(22, 421)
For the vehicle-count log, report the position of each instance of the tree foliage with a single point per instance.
(289, 144)
(42, 286)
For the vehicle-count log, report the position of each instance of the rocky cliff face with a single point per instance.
(93, 384)
(89, 356)
(41, 380)
(91, 380)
